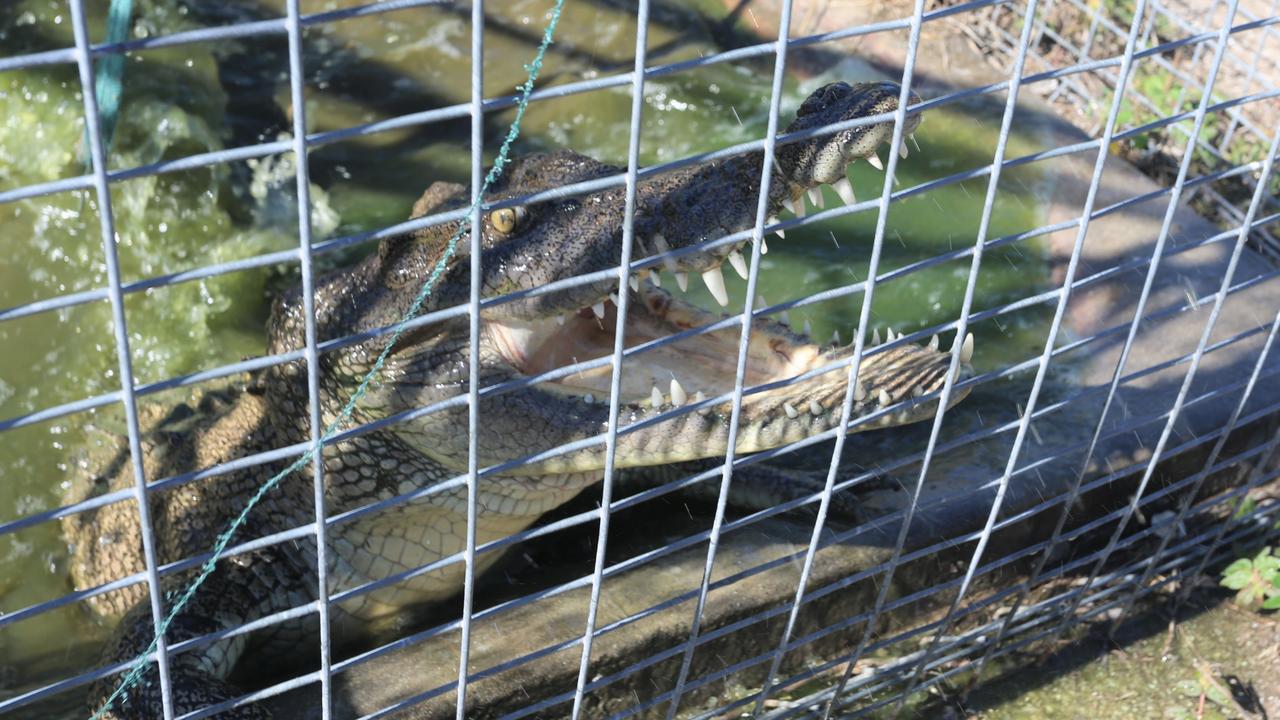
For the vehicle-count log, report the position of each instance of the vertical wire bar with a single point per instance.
(1031, 403)
(1156, 255)
(1195, 60)
(1189, 495)
(1250, 78)
(1194, 363)
(1255, 479)
(1042, 25)
(297, 93)
(1151, 23)
(473, 354)
(619, 345)
(302, 177)
(855, 365)
(1087, 45)
(1191, 492)
(962, 325)
(1045, 358)
(106, 221)
(864, 320)
(744, 340)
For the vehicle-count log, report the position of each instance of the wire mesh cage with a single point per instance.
(566, 464)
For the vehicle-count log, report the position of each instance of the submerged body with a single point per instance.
(411, 471)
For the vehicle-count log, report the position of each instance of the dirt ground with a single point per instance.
(1214, 660)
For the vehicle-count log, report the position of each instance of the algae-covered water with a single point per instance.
(199, 98)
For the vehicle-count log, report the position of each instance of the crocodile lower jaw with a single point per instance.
(692, 366)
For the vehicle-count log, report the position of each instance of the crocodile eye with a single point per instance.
(506, 220)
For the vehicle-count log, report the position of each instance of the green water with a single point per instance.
(194, 99)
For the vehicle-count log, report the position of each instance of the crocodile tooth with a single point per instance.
(815, 408)
(655, 396)
(678, 395)
(902, 148)
(788, 205)
(588, 398)
(791, 410)
(613, 298)
(655, 277)
(784, 317)
(859, 392)
(660, 241)
(890, 335)
(808, 328)
(699, 397)
(799, 207)
(682, 279)
(873, 159)
(715, 283)
(761, 303)
(764, 245)
(844, 189)
(835, 337)
(634, 282)
(815, 197)
(875, 337)
(598, 309)
(933, 342)
(966, 350)
(739, 263)
(884, 398)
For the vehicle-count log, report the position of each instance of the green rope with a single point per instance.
(109, 80)
(140, 663)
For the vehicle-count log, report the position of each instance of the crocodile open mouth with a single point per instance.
(670, 363)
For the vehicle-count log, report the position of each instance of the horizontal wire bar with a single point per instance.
(924, 552)
(900, 602)
(275, 26)
(459, 310)
(258, 363)
(1083, 617)
(879, 645)
(1120, 575)
(461, 110)
(299, 532)
(293, 451)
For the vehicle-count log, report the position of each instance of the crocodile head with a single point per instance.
(795, 386)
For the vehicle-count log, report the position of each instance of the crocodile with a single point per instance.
(400, 488)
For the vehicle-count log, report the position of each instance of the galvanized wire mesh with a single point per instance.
(1084, 57)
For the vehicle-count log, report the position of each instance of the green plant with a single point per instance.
(1209, 688)
(1256, 581)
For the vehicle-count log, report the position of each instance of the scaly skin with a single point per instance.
(524, 248)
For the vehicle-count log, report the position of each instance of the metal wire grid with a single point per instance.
(1255, 66)
(910, 672)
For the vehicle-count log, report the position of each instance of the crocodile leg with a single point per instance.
(237, 591)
